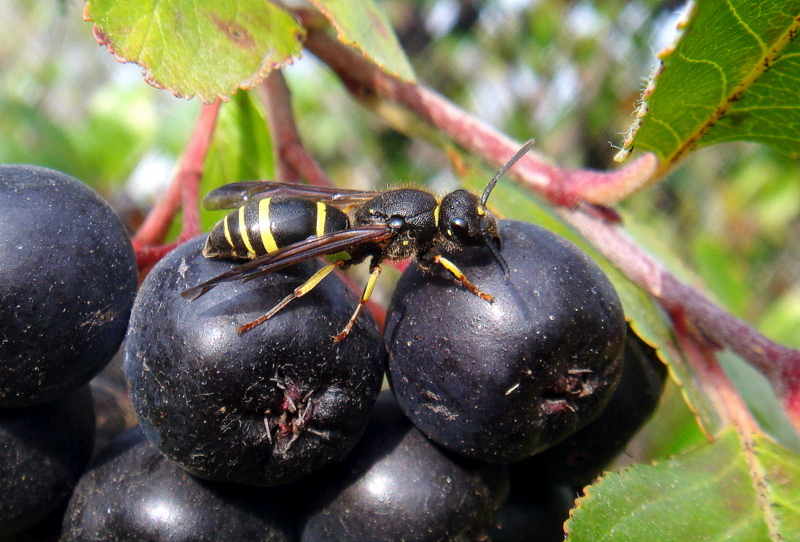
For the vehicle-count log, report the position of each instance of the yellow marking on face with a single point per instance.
(322, 213)
(263, 220)
(243, 232)
(227, 229)
(436, 214)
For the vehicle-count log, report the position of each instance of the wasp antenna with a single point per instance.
(496, 253)
(513, 160)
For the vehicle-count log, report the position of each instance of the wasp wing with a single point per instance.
(235, 195)
(312, 247)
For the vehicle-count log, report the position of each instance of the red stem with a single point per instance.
(559, 186)
(291, 159)
(781, 365)
(183, 192)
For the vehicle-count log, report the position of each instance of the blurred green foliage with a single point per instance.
(565, 73)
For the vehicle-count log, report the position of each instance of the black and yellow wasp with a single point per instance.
(275, 225)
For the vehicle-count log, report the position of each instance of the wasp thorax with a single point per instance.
(409, 213)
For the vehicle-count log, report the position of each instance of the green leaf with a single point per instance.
(740, 487)
(760, 399)
(208, 48)
(361, 24)
(720, 272)
(732, 76)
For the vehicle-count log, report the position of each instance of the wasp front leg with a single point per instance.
(438, 259)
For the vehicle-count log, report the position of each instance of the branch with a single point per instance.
(291, 158)
(567, 188)
(183, 192)
(559, 186)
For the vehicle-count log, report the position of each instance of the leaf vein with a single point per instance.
(669, 128)
(749, 30)
(722, 76)
(770, 56)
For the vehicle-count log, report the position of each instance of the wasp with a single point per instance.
(275, 225)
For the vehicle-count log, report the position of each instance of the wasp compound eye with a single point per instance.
(459, 230)
(396, 223)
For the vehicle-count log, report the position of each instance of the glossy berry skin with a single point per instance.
(398, 485)
(267, 406)
(68, 279)
(580, 458)
(135, 494)
(501, 381)
(43, 451)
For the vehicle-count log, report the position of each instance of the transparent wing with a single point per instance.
(312, 247)
(235, 195)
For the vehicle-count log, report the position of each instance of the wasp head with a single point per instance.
(465, 222)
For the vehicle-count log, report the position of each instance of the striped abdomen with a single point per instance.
(265, 225)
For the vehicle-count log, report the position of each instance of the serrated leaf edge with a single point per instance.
(771, 54)
(758, 475)
(261, 72)
(342, 36)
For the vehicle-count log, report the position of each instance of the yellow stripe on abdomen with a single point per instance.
(243, 232)
(322, 213)
(266, 231)
(227, 230)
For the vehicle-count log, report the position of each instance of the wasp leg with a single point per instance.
(459, 276)
(300, 291)
(373, 278)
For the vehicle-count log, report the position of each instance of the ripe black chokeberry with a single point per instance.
(501, 381)
(132, 493)
(43, 451)
(398, 485)
(67, 283)
(580, 458)
(267, 406)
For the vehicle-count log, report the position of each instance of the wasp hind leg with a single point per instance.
(365, 295)
(300, 291)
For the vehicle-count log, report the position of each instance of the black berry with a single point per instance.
(264, 407)
(398, 485)
(133, 493)
(67, 283)
(581, 457)
(536, 514)
(43, 451)
(501, 381)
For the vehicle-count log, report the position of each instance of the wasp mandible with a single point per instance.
(275, 225)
